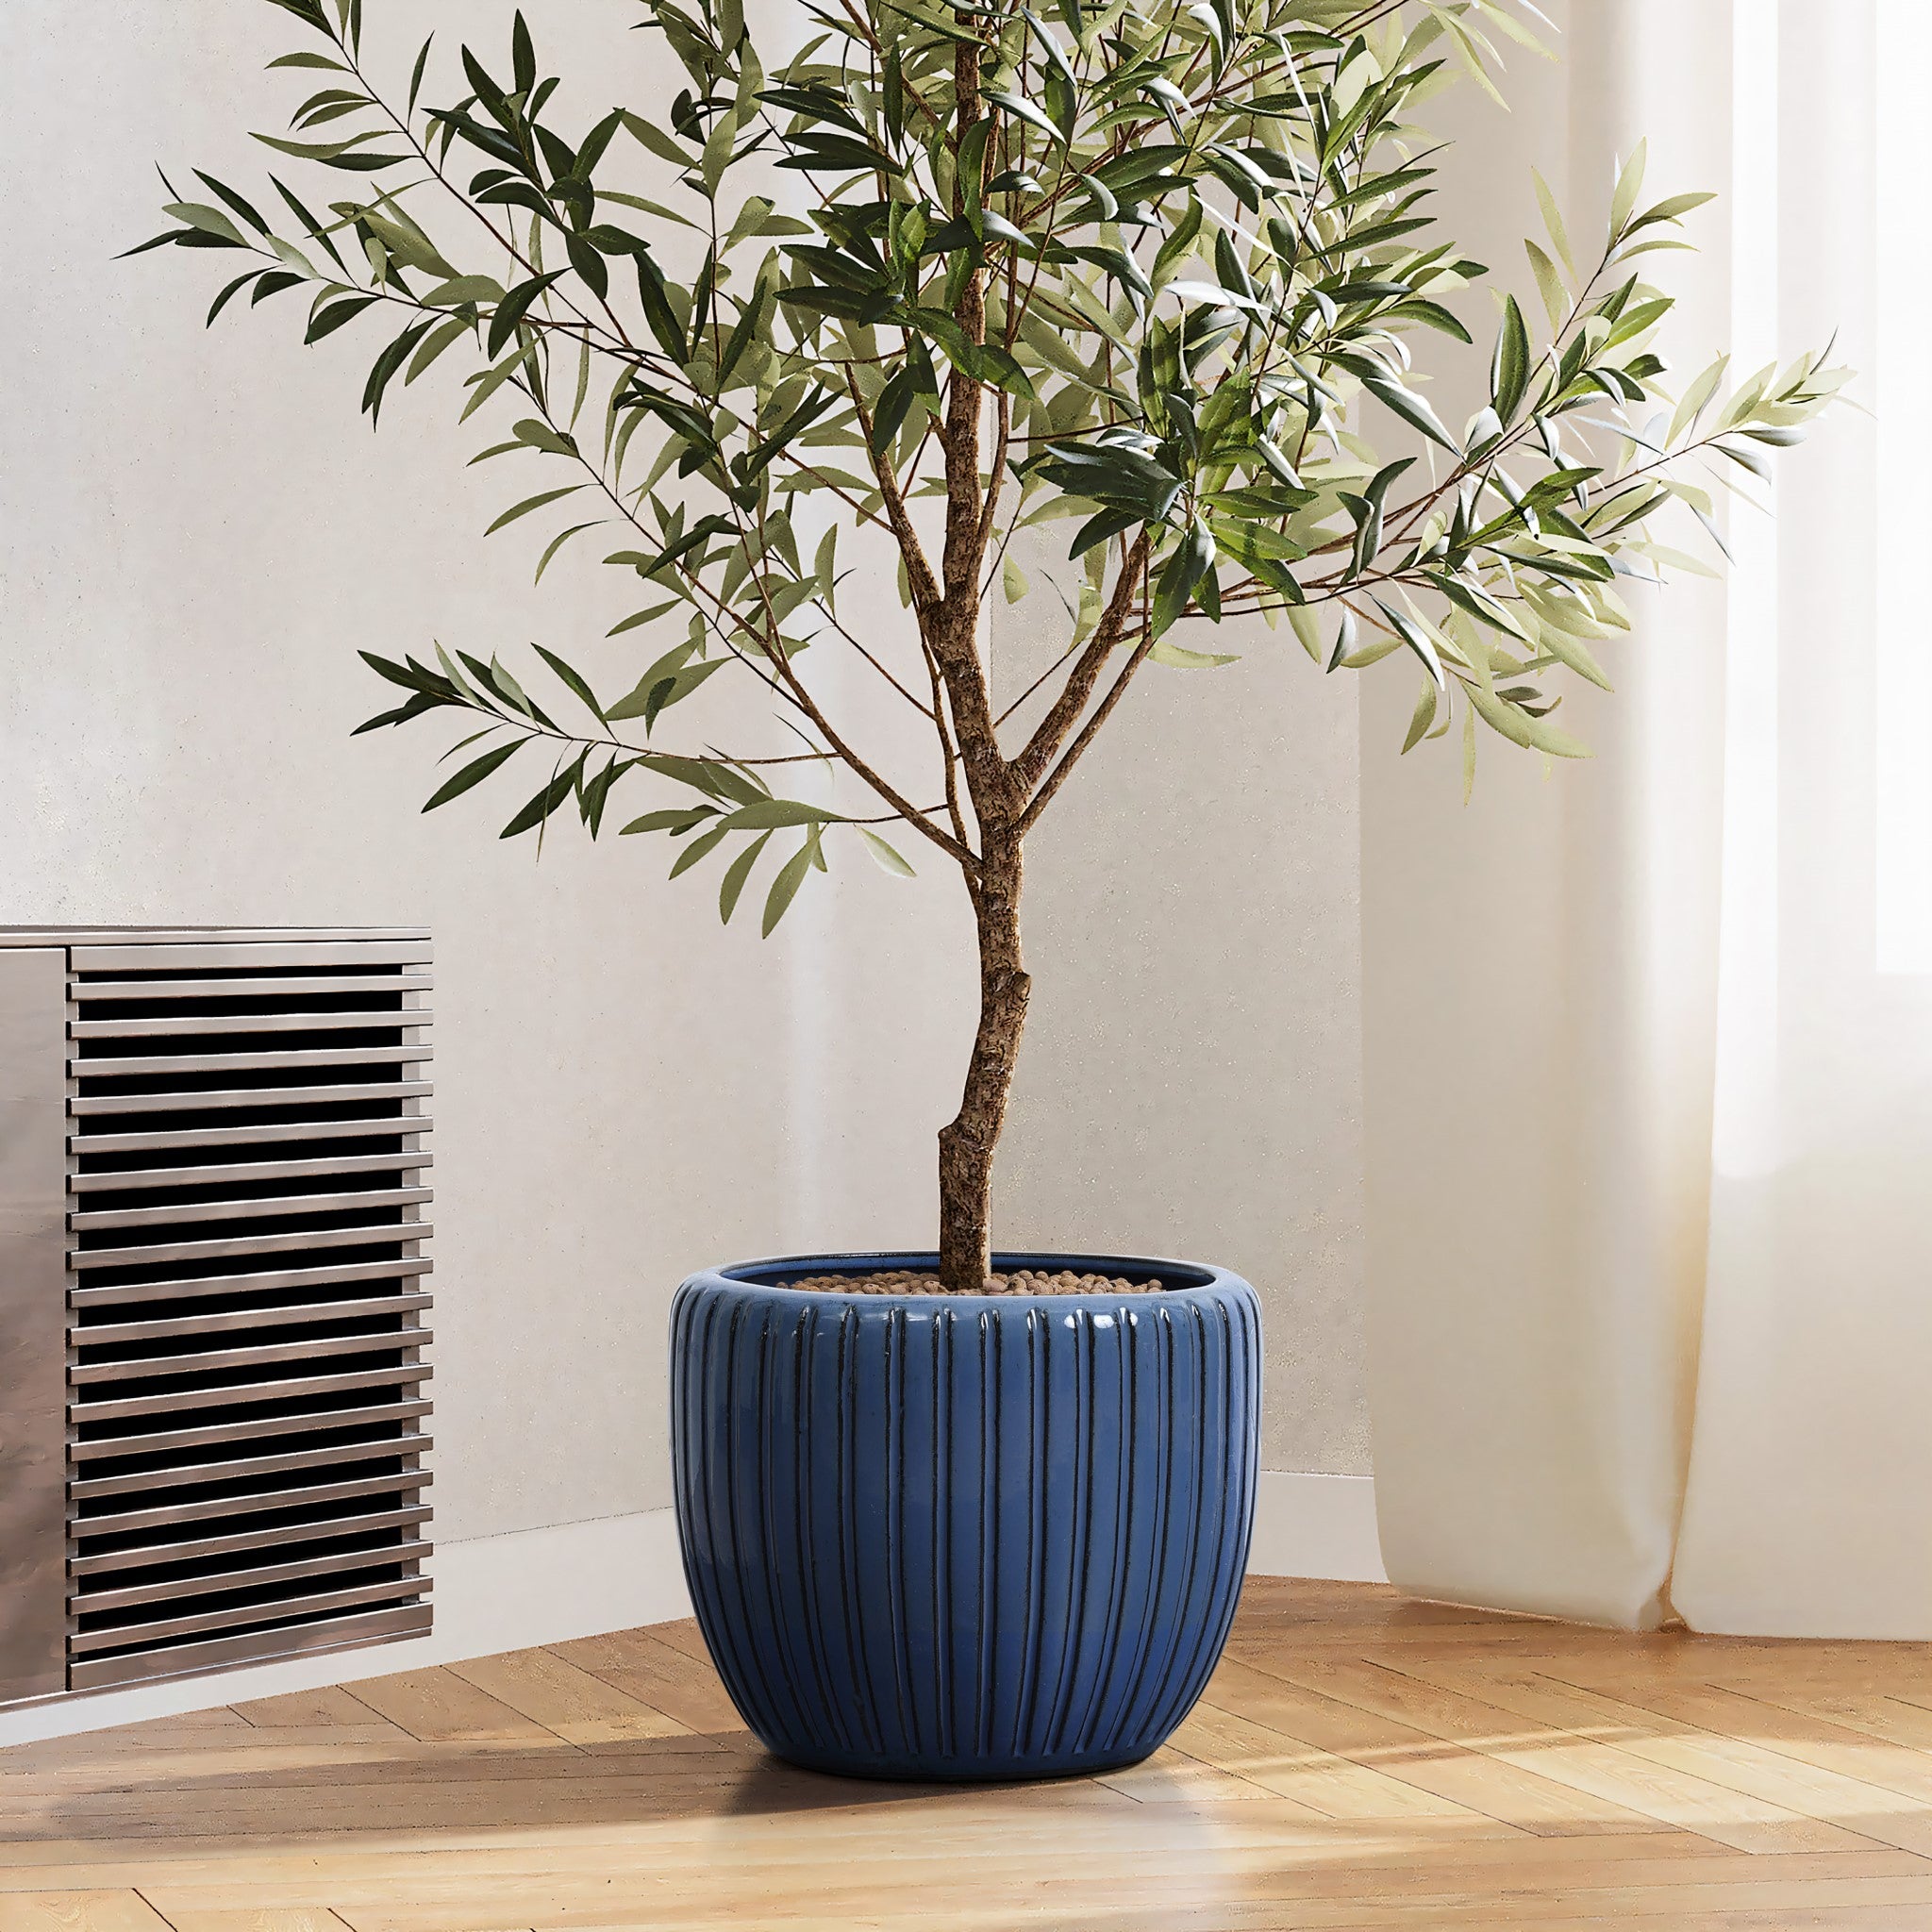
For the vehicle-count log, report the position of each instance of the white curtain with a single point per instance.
(1649, 1041)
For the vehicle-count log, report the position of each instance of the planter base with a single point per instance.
(964, 1537)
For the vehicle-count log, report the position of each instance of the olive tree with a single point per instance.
(1150, 267)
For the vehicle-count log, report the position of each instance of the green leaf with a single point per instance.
(1629, 186)
(515, 306)
(1553, 215)
(888, 857)
(492, 380)
(463, 289)
(1307, 630)
(210, 220)
(768, 813)
(676, 819)
(433, 344)
(474, 773)
(1413, 410)
(327, 320)
(1549, 284)
(530, 503)
(556, 544)
(785, 887)
(1183, 660)
(733, 886)
(700, 848)
(1423, 717)
(1510, 366)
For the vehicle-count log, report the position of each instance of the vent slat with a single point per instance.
(226, 1434)
(179, 1515)
(387, 1234)
(130, 1294)
(135, 1180)
(85, 1601)
(212, 1361)
(212, 1026)
(88, 1107)
(295, 1060)
(314, 1635)
(92, 990)
(190, 957)
(89, 1642)
(241, 1541)
(166, 1140)
(245, 1207)
(228, 1321)
(122, 1407)
(289, 1463)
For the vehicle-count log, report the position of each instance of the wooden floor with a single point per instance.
(1359, 1761)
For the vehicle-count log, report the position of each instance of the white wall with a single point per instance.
(196, 534)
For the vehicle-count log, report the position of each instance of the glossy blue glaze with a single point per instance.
(964, 1536)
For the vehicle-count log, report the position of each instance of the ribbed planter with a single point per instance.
(964, 1536)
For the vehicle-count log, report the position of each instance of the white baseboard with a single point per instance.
(576, 1579)
(1317, 1526)
(499, 1592)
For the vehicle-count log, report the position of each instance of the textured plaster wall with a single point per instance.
(197, 532)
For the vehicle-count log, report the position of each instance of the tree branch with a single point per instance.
(1064, 712)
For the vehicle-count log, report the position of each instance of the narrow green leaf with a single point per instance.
(1552, 217)
(474, 773)
(1510, 366)
(556, 544)
(210, 220)
(572, 680)
(1423, 717)
(785, 887)
(530, 503)
(1549, 284)
(515, 306)
(1180, 659)
(888, 856)
(701, 847)
(768, 813)
(736, 874)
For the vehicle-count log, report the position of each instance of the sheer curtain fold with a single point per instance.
(1649, 1041)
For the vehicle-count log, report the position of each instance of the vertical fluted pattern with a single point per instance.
(963, 1537)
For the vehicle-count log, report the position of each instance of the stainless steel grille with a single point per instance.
(246, 1416)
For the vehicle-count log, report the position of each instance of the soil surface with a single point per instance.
(1022, 1281)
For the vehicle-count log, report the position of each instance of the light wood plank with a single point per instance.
(268, 1918)
(318, 1710)
(438, 1707)
(78, 1911)
(1476, 1780)
(663, 1676)
(1715, 1811)
(553, 1692)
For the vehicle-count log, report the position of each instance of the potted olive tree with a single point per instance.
(1154, 267)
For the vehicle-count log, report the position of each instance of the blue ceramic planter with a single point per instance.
(964, 1536)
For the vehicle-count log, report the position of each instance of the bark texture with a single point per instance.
(967, 1143)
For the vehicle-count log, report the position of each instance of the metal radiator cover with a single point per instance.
(213, 1299)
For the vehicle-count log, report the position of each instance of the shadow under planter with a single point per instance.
(964, 1536)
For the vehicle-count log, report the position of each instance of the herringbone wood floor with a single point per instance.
(1359, 1761)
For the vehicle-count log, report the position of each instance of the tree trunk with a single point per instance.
(966, 1145)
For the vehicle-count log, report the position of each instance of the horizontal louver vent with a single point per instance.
(247, 1207)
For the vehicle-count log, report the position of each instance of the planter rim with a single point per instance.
(776, 1273)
